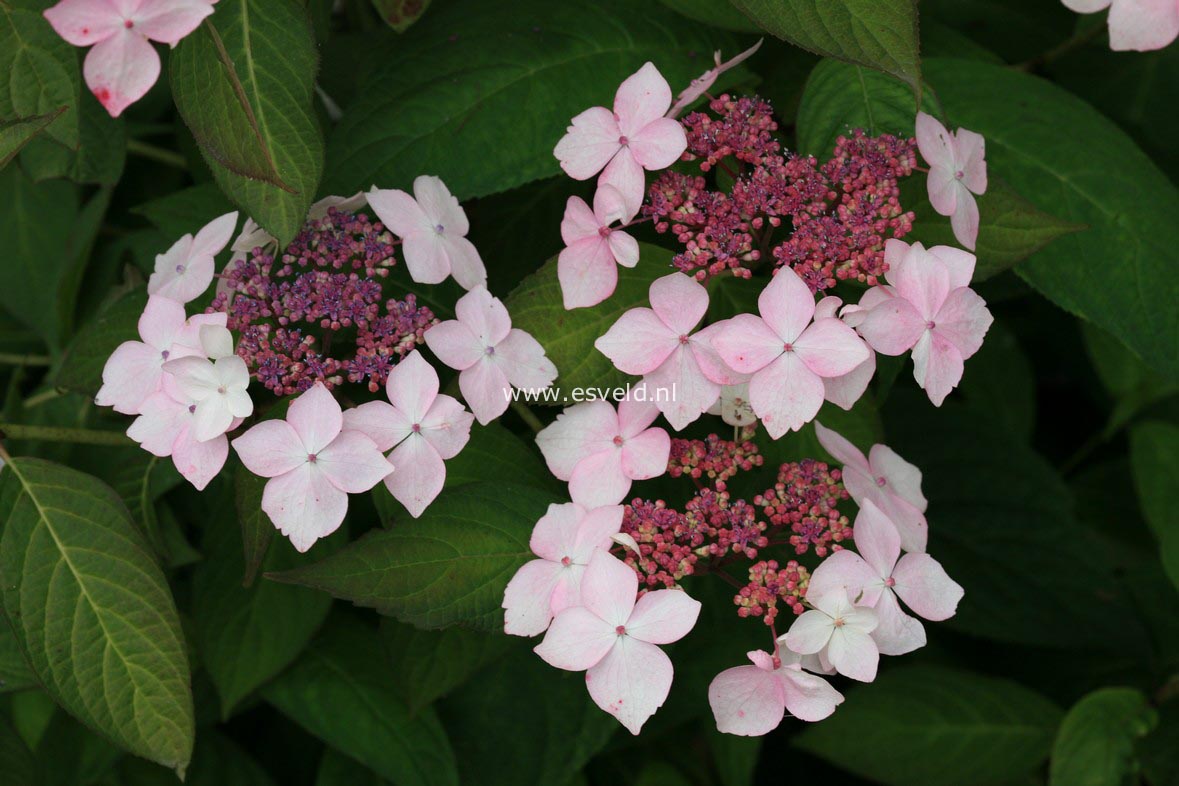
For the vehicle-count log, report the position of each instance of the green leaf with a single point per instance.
(936, 726)
(880, 34)
(16, 760)
(1095, 744)
(401, 14)
(183, 212)
(35, 233)
(256, 527)
(98, 158)
(336, 769)
(69, 754)
(92, 611)
(342, 694)
(139, 479)
(15, 134)
(1015, 29)
(735, 757)
(568, 336)
(448, 567)
(839, 97)
(461, 86)
(1154, 452)
(523, 723)
(494, 453)
(244, 83)
(435, 662)
(81, 370)
(14, 669)
(40, 72)
(717, 13)
(1092, 174)
(1131, 383)
(998, 384)
(249, 635)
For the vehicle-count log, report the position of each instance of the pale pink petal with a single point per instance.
(830, 348)
(316, 417)
(964, 222)
(645, 455)
(631, 682)
(897, 633)
(130, 375)
(609, 207)
(523, 361)
(643, 97)
(486, 390)
(304, 505)
(577, 639)
(401, 214)
(808, 698)
(971, 152)
(554, 532)
(786, 395)
(809, 632)
(1086, 6)
(709, 360)
(841, 448)
(162, 322)
(528, 598)
(638, 342)
(579, 222)
(937, 366)
(447, 426)
(455, 344)
(587, 272)
(441, 207)
(271, 448)
(945, 192)
(659, 144)
(199, 462)
(853, 654)
(589, 143)
(877, 539)
(786, 305)
(412, 386)
(380, 422)
(180, 274)
(1143, 25)
(627, 175)
(701, 84)
(171, 21)
(352, 204)
(161, 419)
(827, 307)
(898, 476)
(196, 377)
(484, 315)
(598, 479)
(663, 616)
(847, 571)
(121, 69)
(844, 391)
(567, 593)
(679, 301)
(567, 440)
(211, 418)
(426, 257)
(624, 248)
(959, 264)
(690, 391)
(465, 263)
(84, 22)
(923, 585)
(637, 411)
(963, 320)
(747, 701)
(923, 280)
(746, 343)
(418, 474)
(609, 587)
(892, 327)
(353, 463)
(595, 531)
(934, 141)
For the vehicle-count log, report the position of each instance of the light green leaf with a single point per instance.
(16, 760)
(244, 83)
(433, 663)
(1154, 452)
(40, 73)
(464, 83)
(342, 694)
(880, 34)
(1095, 744)
(448, 567)
(935, 726)
(15, 134)
(92, 611)
(1084, 169)
(81, 370)
(839, 97)
(568, 337)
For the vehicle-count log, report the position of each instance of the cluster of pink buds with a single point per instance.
(805, 500)
(713, 458)
(768, 585)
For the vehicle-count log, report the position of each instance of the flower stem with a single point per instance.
(79, 436)
(527, 416)
(1076, 42)
(11, 359)
(162, 155)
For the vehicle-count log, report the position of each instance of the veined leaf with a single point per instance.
(40, 74)
(432, 663)
(1154, 451)
(15, 134)
(1095, 744)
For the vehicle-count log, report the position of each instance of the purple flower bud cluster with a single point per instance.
(805, 499)
(317, 312)
(769, 584)
(839, 214)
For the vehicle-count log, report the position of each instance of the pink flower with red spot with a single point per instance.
(491, 356)
(122, 65)
(878, 575)
(957, 171)
(312, 465)
(588, 265)
(600, 450)
(564, 539)
(682, 367)
(634, 137)
(421, 426)
(787, 354)
(752, 700)
(614, 639)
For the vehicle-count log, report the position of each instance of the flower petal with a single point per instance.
(847, 571)
(447, 426)
(316, 417)
(353, 463)
(523, 361)
(964, 320)
(400, 213)
(830, 348)
(589, 143)
(171, 21)
(747, 701)
(465, 263)
(923, 585)
(598, 479)
(679, 301)
(746, 343)
(853, 654)
(644, 456)
(454, 344)
(786, 395)
(900, 477)
(587, 272)
(638, 342)
(564, 442)
(579, 222)
(891, 327)
(808, 697)
(690, 391)
(271, 448)
(663, 616)
(809, 632)
(119, 70)
(609, 587)
(528, 598)
(631, 682)
(1143, 25)
(937, 366)
(595, 530)
(877, 539)
(484, 315)
(897, 633)
(786, 305)
(130, 375)
(84, 22)
(627, 175)
(440, 206)
(486, 390)
(304, 505)
(576, 640)
(418, 474)
(199, 462)
(659, 144)
(554, 532)
(643, 97)
(412, 387)
(841, 448)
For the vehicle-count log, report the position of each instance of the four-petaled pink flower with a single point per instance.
(681, 368)
(588, 265)
(490, 355)
(931, 310)
(612, 638)
(185, 270)
(433, 230)
(135, 369)
(123, 65)
(751, 700)
(877, 577)
(957, 171)
(884, 479)
(701, 84)
(421, 425)
(839, 631)
(165, 427)
(313, 466)
(634, 137)
(600, 450)
(787, 354)
(564, 538)
(217, 387)
(1138, 25)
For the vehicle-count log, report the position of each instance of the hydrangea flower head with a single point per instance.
(217, 386)
(166, 426)
(122, 65)
(957, 171)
